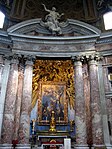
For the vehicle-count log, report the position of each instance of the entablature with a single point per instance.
(31, 37)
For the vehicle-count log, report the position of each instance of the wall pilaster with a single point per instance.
(4, 82)
(103, 104)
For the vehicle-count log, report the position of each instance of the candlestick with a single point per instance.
(59, 119)
(46, 119)
(33, 129)
(38, 119)
(72, 123)
(59, 123)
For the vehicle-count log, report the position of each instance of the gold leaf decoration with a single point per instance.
(57, 71)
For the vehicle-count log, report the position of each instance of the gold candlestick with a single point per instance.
(72, 125)
(46, 119)
(59, 119)
(33, 129)
(52, 123)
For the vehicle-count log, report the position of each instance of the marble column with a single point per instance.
(97, 131)
(18, 100)
(8, 119)
(4, 78)
(87, 102)
(109, 111)
(24, 128)
(80, 118)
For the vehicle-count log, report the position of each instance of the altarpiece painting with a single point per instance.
(52, 98)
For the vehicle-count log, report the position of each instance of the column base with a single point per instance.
(23, 146)
(77, 146)
(37, 147)
(6, 146)
(108, 146)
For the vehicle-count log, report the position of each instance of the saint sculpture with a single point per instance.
(52, 20)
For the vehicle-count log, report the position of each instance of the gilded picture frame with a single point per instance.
(52, 98)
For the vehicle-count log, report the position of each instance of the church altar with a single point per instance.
(54, 137)
(52, 140)
(46, 137)
(52, 125)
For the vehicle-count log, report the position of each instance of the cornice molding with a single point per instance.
(54, 40)
(105, 38)
(4, 37)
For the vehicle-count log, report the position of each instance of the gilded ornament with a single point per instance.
(56, 71)
(52, 123)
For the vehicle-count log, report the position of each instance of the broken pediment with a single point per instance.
(36, 27)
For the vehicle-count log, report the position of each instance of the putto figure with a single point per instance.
(52, 20)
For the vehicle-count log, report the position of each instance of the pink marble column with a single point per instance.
(80, 118)
(9, 109)
(87, 103)
(26, 103)
(109, 110)
(18, 101)
(97, 131)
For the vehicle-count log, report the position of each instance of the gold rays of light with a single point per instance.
(57, 71)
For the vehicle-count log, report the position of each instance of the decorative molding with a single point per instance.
(15, 42)
(15, 59)
(87, 58)
(7, 57)
(79, 58)
(105, 38)
(94, 57)
(29, 59)
(4, 38)
(69, 26)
